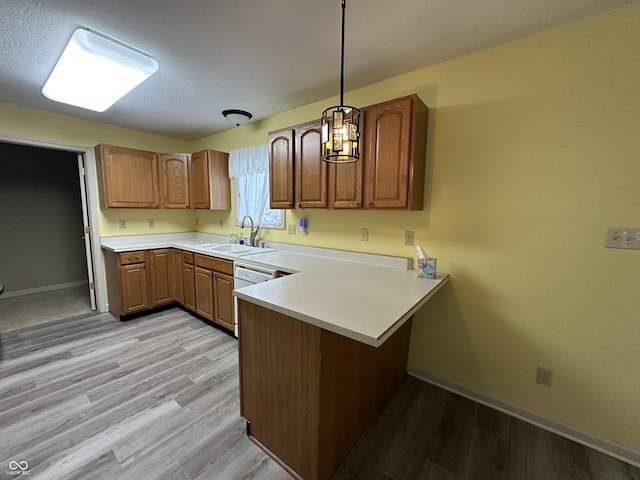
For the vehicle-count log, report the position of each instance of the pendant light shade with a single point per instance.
(237, 117)
(341, 123)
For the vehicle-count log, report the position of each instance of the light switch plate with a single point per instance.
(408, 237)
(364, 234)
(623, 237)
(291, 229)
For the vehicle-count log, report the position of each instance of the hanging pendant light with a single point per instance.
(341, 124)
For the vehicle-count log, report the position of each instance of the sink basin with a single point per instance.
(233, 249)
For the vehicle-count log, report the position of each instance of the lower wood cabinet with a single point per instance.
(214, 290)
(188, 281)
(177, 279)
(223, 305)
(144, 279)
(309, 394)
(204, 292)
(160, 285)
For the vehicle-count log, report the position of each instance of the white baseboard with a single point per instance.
(46, 288)
(600, 444)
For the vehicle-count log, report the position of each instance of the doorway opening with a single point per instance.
(46, 252)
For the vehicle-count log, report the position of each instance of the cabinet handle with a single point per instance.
(134, 258)
(370, 205)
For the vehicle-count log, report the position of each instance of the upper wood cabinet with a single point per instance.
(345, 185)
(174, 180)
(310, 170)
(129, 177)
(389, 175)
(395, 136)
(211, 187)
(281, 169)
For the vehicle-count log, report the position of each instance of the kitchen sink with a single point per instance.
(233, 249)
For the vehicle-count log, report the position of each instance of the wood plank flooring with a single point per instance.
(157, 398)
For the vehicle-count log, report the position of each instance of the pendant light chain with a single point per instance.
(344, 8)
(340, 130)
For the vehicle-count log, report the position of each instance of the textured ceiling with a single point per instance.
(262, 56)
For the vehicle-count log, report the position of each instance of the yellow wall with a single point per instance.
(533, 152)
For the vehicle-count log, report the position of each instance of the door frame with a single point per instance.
(92, 206)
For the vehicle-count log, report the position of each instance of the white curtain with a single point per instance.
(249, 169)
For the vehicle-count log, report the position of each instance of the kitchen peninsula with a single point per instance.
(321, 350)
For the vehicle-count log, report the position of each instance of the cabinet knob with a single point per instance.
(370, 205)
(299, 205)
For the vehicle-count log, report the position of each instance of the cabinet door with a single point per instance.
(211, 183)
(395, 154)
(200, 177)
(223, 295)
(188, 277)
(204, 292)
(160, 262)
(174, 181)
(345, 185)
(177, 282)
(281, 169)
(310, 170)
(129, 177)
(135, 292)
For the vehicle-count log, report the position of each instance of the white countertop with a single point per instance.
(365, 300)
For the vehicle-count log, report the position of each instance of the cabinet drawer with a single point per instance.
(127, 258)
(187, 257)
(217, 264)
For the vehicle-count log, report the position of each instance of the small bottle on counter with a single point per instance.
(241, 241)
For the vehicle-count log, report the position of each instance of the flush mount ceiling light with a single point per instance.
(341, 124)
(94, 72)
(237, 117)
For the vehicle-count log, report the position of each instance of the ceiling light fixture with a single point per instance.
(341, 124)
(237, 117)
(94, 72)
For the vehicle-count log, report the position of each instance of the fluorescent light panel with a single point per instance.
(95, 72)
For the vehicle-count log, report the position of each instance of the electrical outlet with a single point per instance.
(291, 229)
(364, 234)
(220, 223)
(122, 224)
(408, 237)
(623, 237)
(152, 223)
(197, 221)
(543, 376)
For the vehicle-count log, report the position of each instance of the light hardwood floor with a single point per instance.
(157, 398)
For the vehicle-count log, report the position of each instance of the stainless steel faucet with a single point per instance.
(254, 232)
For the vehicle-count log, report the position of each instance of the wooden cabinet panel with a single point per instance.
(345, 185)
(223, 304)
(204, 292)
(395, 153)
(211, 186)
(129, 177)
(127, 258)
(310, 170)
(160, 289)
(134, 288)
(212, 263)
(177, 282)
(281, 169)
(311, 425)
(188, 278)
(174, 180)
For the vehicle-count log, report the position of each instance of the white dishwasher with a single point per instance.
(245, 274)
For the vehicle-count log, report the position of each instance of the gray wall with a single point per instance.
(40, 218)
